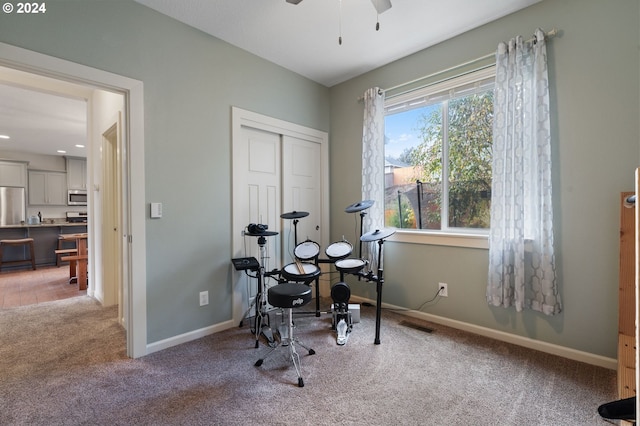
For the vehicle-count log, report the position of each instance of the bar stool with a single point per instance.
(17, 242)
(288, 296)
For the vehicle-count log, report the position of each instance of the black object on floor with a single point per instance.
(622, 409)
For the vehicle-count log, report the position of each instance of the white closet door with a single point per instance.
(278, 167)
(301, 183)
(258, 188)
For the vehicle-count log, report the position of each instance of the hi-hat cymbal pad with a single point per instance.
(378, 234)
(294, 215)
(359, 206)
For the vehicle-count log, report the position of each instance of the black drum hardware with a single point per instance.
(261, 321)
(305, 267)
(295, 216)
(360, 207)
(246, 263)
(342, 318)
(295, 278)
(378, 236)
(356, 267)
(339, 291)
(288, 296)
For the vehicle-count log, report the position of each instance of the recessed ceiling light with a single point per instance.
(62, 151)
(79, 146)
(4, 137)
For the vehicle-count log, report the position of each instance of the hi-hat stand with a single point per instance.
(261, 322)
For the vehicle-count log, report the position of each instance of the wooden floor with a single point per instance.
(28, 287)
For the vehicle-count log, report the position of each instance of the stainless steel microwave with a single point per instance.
(77, 197)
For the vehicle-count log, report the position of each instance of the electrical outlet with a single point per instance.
(444, 289)
(204, 298)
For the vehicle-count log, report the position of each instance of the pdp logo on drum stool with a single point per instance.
(298, 301)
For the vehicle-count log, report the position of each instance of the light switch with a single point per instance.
(156, 210)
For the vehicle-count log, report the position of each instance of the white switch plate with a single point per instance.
(156, 210)
(204, 298)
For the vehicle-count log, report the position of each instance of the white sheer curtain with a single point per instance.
(521, 253)
(373, 164)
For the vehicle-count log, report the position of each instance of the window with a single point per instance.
(438, 142)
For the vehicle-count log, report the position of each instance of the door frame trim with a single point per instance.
(243, 118)
(133, 208)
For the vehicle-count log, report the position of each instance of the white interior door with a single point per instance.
(301, 192)
(111, 227)
(259, 192)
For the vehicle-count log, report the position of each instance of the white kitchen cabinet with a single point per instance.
(47, 188)
(76, 173)
(13, 173)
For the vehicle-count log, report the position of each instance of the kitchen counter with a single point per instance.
(45, 240)
(43, 225)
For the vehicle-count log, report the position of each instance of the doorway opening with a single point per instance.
(132, 255)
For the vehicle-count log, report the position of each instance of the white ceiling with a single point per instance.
(302, 38)
(40, 115)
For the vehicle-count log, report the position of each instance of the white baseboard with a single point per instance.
(581, 356)
(188, 337)
(96, 295)
(586, 357)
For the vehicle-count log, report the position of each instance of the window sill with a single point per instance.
(480, 241)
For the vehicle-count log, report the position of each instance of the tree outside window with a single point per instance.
(447, 151)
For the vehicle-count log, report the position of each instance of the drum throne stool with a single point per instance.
(288, 296)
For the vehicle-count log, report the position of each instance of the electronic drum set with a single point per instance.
(305, 269)
(294, 279)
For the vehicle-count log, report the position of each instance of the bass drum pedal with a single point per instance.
(342, 318)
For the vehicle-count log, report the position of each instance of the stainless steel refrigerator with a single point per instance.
(12, 205)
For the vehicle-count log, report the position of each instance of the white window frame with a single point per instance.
(447, 236)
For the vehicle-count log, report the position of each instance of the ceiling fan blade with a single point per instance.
(380, 5)
(294, 1)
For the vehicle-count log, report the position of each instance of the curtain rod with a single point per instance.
(550, 34)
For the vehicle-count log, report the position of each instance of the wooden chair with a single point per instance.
(77, 258)
(78, 269)
(65, 239)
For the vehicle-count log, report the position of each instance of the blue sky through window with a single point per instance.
(401, 130)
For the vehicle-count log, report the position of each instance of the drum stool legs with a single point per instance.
(288, 296)
(18, 242)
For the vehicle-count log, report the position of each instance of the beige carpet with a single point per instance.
(64, 363)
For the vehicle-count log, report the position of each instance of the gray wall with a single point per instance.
(191, 80)
(594, 69)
